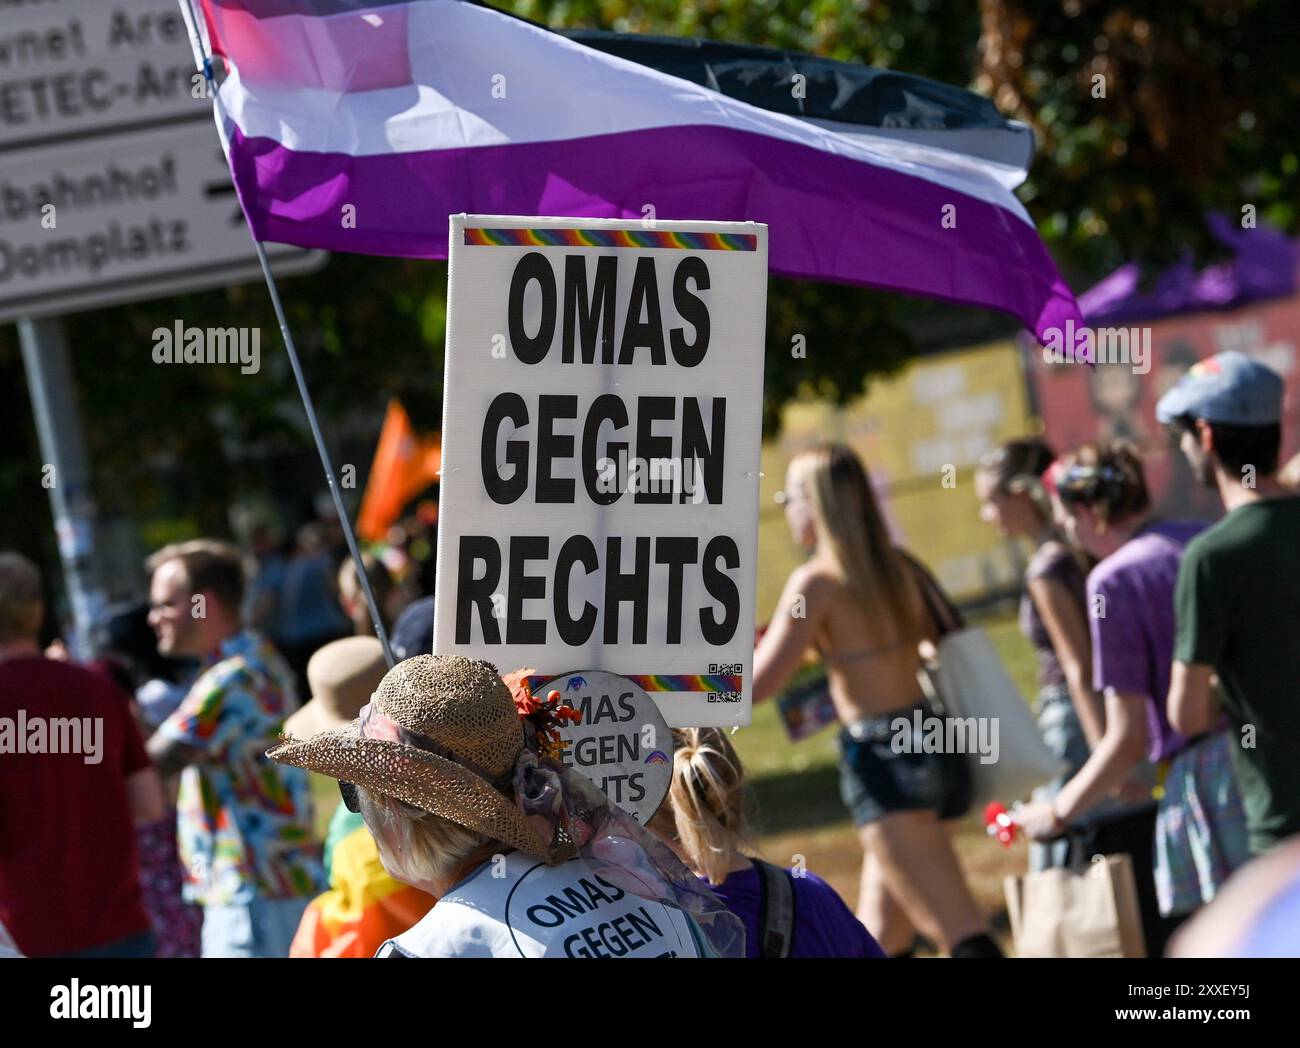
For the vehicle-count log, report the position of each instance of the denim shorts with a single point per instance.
(261, 928)
(876, 779)
(1059, 724)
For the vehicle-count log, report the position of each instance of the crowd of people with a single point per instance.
(1167, 654)
(180, 838)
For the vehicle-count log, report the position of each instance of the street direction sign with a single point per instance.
(113, 186)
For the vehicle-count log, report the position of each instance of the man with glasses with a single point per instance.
(1238, 595)
(244, 822)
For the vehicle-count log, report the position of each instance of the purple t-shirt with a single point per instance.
(823, 925)
(1131, 617)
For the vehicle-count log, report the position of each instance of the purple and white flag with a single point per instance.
(361, 125)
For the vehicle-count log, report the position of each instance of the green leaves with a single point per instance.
(1198, 111)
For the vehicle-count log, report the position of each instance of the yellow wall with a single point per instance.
(939, 410)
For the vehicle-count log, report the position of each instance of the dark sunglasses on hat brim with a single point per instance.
(349, 792)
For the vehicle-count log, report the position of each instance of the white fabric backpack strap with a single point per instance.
(391, 949)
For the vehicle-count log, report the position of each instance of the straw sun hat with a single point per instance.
(442, 733)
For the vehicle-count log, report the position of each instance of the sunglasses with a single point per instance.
(351, 801)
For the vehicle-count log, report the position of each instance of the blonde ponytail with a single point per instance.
(708, 800)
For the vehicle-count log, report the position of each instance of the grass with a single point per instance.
(794, 789)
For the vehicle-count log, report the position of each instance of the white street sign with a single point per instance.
(113, 186)
(103, 221)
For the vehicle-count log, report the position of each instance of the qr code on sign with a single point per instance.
(726, 668)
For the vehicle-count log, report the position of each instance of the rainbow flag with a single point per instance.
(364, 905)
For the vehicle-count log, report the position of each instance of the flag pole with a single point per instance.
(204, 61)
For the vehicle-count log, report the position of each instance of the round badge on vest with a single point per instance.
(622, 743)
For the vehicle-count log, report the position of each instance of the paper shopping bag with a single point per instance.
(1070, 912)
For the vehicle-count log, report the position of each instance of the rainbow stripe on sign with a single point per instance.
(643, 238)
(651, 682)
(687, 682)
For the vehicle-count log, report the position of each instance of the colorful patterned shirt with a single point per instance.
(245, 822)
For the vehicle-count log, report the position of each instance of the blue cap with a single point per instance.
(1228, 387)
(413, 632)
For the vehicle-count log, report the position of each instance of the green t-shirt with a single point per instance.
(1238, 605)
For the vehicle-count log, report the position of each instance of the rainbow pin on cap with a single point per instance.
(1228, 387)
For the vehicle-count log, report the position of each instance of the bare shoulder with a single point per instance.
(1048, 588)
(1053, 560)
(815, 579)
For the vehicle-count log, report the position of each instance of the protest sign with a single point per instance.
(601, 429)
(621, 743)
(592, 918)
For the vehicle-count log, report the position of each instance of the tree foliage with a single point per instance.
(1150, 115)
(1199, 111)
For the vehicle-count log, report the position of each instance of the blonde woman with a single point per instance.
(352, 598)
(858, 602)
(787, 913)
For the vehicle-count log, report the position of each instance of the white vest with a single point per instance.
(536, 910)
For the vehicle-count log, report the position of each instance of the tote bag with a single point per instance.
(968, 680)
(1077, 912)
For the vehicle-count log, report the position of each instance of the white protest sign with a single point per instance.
(621, 743)
(601, 431)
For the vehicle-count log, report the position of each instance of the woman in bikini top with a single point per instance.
(858, 601)
(855, 601)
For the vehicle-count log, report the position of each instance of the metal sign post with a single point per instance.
(64, 471)
(204, 62)
(112, 190)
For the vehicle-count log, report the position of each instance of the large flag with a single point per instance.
(360, 125)
(405, 464)
(843, 96)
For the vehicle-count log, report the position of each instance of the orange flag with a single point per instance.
(405, 464)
